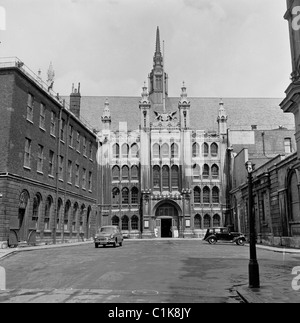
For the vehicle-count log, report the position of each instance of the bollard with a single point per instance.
(2, 279)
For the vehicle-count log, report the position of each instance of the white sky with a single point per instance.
(220, 48)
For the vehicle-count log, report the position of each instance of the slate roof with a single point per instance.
(265, 113)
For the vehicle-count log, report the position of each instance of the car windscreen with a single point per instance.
(107, 230)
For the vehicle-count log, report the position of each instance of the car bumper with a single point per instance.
(104, 241)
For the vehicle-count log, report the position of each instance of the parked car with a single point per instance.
(223, 234)
(108, 235)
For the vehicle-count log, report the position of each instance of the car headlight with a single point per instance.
(111, 236)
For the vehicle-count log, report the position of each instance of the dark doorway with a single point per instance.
(166, 228)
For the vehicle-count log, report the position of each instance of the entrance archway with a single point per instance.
(166, 221)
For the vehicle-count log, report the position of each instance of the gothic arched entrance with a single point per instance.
(166, 221)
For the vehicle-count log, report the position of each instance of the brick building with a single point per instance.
(48, 168)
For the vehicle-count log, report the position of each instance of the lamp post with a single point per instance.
(253, 264)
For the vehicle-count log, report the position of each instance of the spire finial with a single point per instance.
(157, 48)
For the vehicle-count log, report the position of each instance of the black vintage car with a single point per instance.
(224, 234)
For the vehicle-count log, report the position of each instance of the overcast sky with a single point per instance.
(220, 48)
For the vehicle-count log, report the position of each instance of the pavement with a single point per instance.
(266, 293)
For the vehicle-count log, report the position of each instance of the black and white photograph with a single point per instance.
(149, 155)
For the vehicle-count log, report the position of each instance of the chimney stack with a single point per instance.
(75, 99)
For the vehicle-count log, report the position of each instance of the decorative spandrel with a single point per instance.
(165, 119)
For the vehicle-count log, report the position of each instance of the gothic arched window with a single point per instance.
(165, 151)
(175, 176)
(156, 151)
(165, 177)
(214, 171)
(116, 173)
(174, 150)
(197, 221)
(206, 221)
(197, 195)
(214, 149)
(205, 149)
(215, 195)
(156, 177)
(206, 195)
(195, 149)
(196, 171)
(125, 195)
(116, 150)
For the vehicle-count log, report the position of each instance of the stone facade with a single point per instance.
(164, 179)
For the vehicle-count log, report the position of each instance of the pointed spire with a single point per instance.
(145, 95)
(106, 117)
(158, 59)
(222, 113)
(50, 74)
(157, 49)
(184, 99)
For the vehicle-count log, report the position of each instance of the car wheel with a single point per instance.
(212, 240)
(240, 242)
(115, 243)
(96, 245)
(120, 243)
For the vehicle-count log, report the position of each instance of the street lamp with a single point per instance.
(253, 264)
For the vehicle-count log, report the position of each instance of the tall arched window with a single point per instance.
(165, 177)
(174, 150)
(125, 195)
(215, 195)
(48, 209)
(116, 173)
(134, 151)
(205, 149)
(115, 195)
(115, 220)
(36, 209)
(156, 151)
(134, 172)
(197, 221)
(197, 195)
(125, 151)
(196, 171)
(205, 171)
(116, 150)
(214, 171)
(214, 149)
(125, 173)
(134, 223)
(74, 217)
(195, 149)
(125, 222)
(165, 151)
(206, 221)
(206, 195)
(294, 197)
(156, 177)
(216, 220)
(58, 219)
(66, 215)
(134, 195)
(81, 214)
(175, 176)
